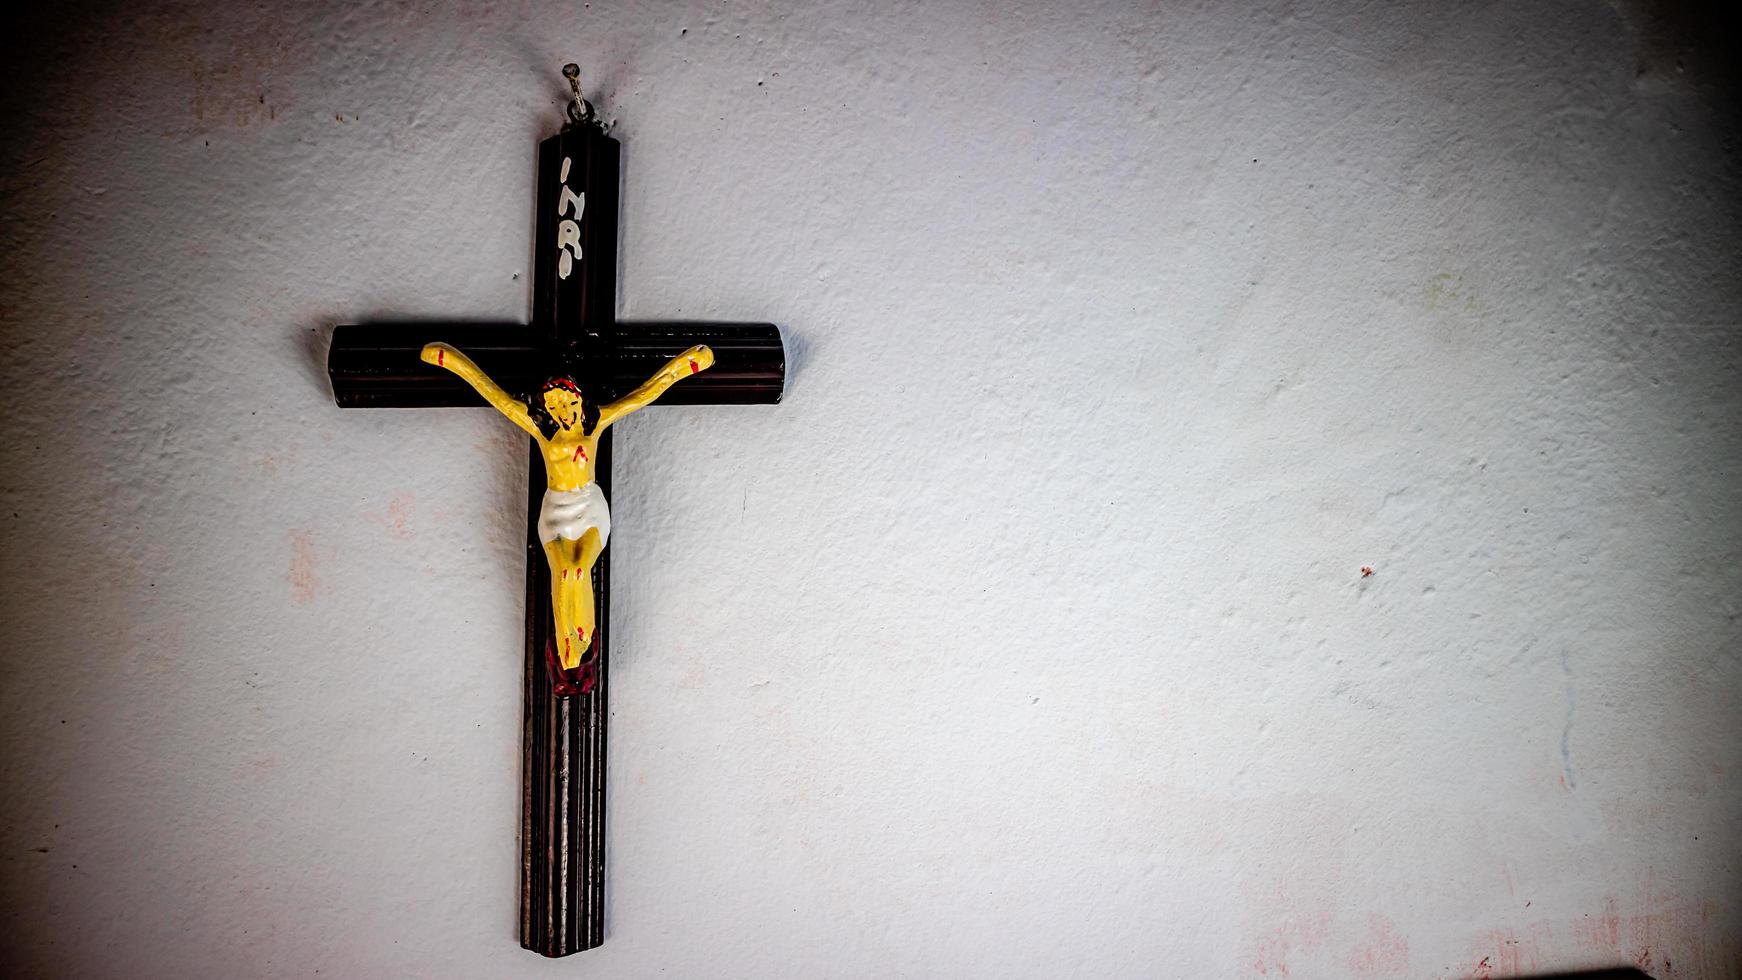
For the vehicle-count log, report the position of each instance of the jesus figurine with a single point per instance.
(575, 521)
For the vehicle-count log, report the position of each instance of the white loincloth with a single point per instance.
(567, 514)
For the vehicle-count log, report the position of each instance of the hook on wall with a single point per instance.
(580, 110)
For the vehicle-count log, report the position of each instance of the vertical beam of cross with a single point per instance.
(574, 310)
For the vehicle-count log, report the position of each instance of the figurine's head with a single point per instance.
(561, 406)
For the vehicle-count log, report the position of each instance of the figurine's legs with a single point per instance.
(571, 593)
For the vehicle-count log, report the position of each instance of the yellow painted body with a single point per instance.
(569, 454)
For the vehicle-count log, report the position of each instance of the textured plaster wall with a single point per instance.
(1028, 637)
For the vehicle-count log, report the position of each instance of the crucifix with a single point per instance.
(577, 370)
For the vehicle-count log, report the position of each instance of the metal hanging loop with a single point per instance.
(580, 110)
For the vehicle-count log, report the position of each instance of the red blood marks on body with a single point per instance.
(441, 357)
(579, 679)
(693, 366)
(560, 684)
(580, 453)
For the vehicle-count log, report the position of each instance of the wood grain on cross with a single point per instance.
(562, 834)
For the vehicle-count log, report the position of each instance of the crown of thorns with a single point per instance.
(567, 384)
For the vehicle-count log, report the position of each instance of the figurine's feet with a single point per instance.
(579, 679)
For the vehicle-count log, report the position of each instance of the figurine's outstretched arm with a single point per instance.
(697, 358)
(441, 355)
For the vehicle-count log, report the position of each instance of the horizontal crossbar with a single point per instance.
(377, 365)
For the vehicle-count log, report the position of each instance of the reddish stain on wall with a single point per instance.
(1666, 939)
(1505, 953)
(1601, 933)
(282, 457)
(1383, 953)
(230, 74)
(304, 575)
(397, 518)
(1302, 933)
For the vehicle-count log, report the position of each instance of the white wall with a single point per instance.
(1027, 638)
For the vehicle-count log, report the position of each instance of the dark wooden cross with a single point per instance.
(574, 320)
